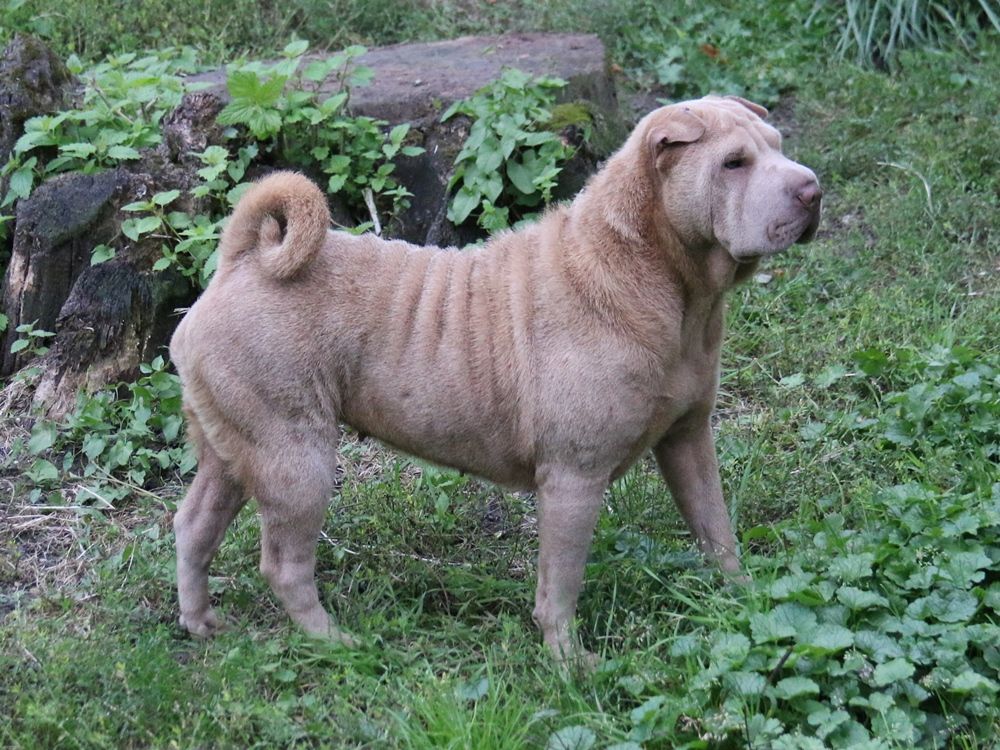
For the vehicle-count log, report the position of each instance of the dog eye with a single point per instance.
(734, 163)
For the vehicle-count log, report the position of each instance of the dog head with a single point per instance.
(721, 178)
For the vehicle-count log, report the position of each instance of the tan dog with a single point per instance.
(550, 359)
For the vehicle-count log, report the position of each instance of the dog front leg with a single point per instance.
(568, 510)
(688, 463)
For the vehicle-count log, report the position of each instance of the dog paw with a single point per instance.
(342, 637)
(737, 579)
(581, 663)
(203, 624)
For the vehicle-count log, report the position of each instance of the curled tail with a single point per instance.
(282, 220)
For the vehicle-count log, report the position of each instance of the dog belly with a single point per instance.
(481, 449)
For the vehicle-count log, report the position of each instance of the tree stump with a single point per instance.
(111, 317)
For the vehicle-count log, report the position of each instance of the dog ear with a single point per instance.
(758, 110)
(680, 127)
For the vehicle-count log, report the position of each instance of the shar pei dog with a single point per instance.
(549, 359)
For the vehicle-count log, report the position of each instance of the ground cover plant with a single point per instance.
(859, 437)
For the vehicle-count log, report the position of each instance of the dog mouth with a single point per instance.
(779, 236)
(802, 229)
(785, 233)
(810, 230)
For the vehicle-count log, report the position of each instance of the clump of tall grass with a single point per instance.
(873, 31)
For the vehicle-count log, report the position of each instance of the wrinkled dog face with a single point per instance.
(721, 170)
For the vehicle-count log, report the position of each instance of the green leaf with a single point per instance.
(243, 85)
(827, 638)
(43, 471)
(851, 567)
(317, 70)
(234, 195)
(729, 649)
(452, 110)
(33, 139)
(21, 182)
(784, 621)
(178, 220)
(859, 599)
(398, 133)
(93, 446)
(264, 123)
(967, 567)
(135, 228)
(167, 196)
(100, 254)
(123, 153)
(336, 183)
(812, 431)
(792, 381)
(43, 436)
(337, 164)
(973, 682)
(879, 645)
(19, 345)
(473, 690)
(296, 48)
(462, 205)
(332, 104)
(520, 177)
(214, 155)
(793, 687)
(571, 738)
(950, 606)
(78, 150)
(360, 76)
(745, 684)
(892, 671)
(789, 585)
(871, 361)
(120, 453)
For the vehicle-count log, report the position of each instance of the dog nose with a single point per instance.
(809, 194)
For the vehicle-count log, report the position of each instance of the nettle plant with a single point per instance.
(122, 102)
(509, 163)
(117, 439)
(879, 634)
(189, 241)
(948, 418)
(288, 111)
(293, 122)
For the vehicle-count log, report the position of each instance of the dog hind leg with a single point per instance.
(293, 497)
(210, 505)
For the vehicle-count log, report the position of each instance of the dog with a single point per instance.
(549, 359)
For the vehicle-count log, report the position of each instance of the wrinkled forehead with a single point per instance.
(728, 120)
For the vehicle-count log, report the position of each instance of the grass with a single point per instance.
(435, 573)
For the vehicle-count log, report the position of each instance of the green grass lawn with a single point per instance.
(859, 442)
